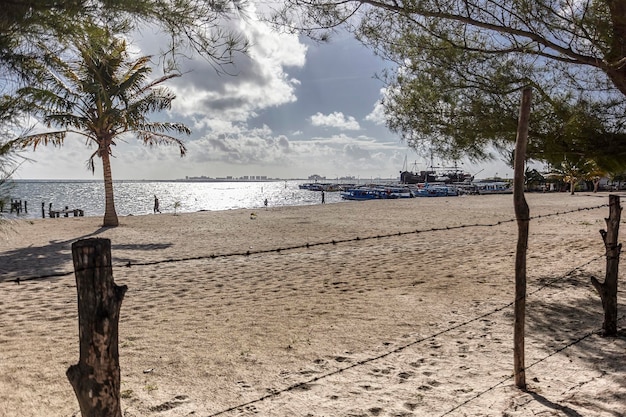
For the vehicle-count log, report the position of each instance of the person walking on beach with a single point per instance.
(323, 198)
(156, 205)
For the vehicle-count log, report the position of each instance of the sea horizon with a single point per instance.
(218, 179)
(136, 197)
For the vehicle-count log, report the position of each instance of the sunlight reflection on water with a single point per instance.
(136, 198)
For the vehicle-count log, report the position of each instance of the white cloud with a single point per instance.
(256, 81)
(336, 119)
(241, 150)
(377, 116)
(258, 121)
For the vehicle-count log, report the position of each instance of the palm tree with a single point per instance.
(102, 95)
(595, 175)
(573, 171)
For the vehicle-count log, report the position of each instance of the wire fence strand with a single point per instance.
(402, 347)
(427, 338)
(307, 245)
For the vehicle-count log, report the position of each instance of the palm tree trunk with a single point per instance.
(110, 216)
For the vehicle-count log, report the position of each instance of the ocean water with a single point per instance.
(137, 197)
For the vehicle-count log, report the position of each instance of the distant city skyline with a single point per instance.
(293, 109)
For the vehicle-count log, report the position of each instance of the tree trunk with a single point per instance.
(572, 186)
(596, 185)
(110, 216)
(522, 215)
(617, 73)
(608, 289)
(96, 377)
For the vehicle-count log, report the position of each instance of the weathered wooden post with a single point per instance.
(522, 214)
(608, 289)
(43, 210)
(96, 377)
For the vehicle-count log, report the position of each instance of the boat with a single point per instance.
(436, 190)
(397, 191)
(306, 186)
(361, 194)
(447, 175)
(409, 177)
(320, 186)
(496, 187)
(377, 193)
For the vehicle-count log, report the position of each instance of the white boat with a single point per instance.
(497, 187)
(377, 192)
(436, 190)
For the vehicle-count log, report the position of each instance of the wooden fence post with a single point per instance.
(608, 289)
(522, 214)
(96, 377)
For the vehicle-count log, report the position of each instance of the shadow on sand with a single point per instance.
(557, 323)
(54, 260)
(557, 407)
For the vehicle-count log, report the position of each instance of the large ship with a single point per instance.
(446, 175)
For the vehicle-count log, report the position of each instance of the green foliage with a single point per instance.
(433, 104)
(455, 103)
(35, 33)
(30, 29)
(460, 66)
(573, 171)
(101, 96)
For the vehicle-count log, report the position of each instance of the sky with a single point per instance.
(292, 108)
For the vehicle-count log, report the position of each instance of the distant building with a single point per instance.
(316, 177)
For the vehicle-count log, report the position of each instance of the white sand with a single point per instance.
(411, 325)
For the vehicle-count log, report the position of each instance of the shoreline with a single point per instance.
(411, 324)
(35, 214)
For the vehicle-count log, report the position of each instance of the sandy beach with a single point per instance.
(416, 322)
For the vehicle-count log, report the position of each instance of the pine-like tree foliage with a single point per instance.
(460, 66)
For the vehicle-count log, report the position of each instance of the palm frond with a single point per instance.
(41, 100)
(163, 127)
(159, 81)
(91, 165)
(66, 120)
(153, 139)
(101, 95)
(156, 100)
(34, 140)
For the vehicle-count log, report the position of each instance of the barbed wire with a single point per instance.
(538, 361)
(405, 346)
(311, 245)
(399, 348)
